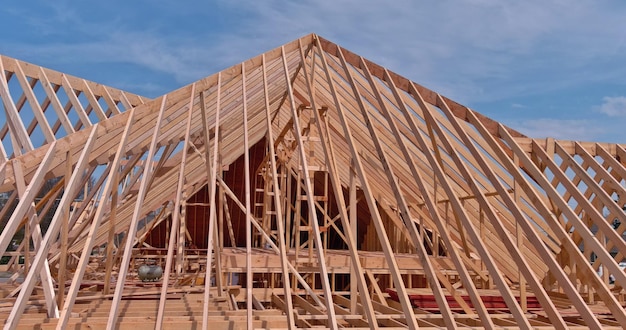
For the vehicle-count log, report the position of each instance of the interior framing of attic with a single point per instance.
(424, 212)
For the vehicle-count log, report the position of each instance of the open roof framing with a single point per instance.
(305, 187)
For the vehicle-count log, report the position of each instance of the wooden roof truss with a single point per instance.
(377, 203)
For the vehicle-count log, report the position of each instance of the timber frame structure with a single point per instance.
(307, 187)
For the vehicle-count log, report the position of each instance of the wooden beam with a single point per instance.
(246, 162)
(349, 223)
(457, 257)
(604, 197)
(462, 214)
(371, 202)
(56, 104)
(405, 212)
(114, 110)
(73, 99)
(111, 233)
(175, 215)
(110, 185)
(16, 126)
(51, 234)
(275, 248)
(566, 240)
(65, 219)
(33, 229)
(278, 204)
(34, 104)
(26, 199)
(332, 322)
(130, 235)
(212, 175)
(518, 257)
(403, 84)
(93, 101)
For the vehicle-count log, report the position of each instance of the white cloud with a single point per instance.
(471, 50)
(563, 129)
(613, 106)
(476, 49)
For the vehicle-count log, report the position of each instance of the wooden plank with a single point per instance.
(604, 226)
(457, 257)
(16, 126)
(353, 232)
(51, 234)
(518, 257)
(278, 206)
(405, 212)
(405, 180)
(73, 99)
(54, 100)
(403, 84)
(376, 219)
(93, 101)
(258, 108)
(111, 234)
(113, 109)
(65, 218)
(285, 95)
(33, 229)
(3, 159)
(460, 212)
(604, 197)
(211, 168)
(273, 246)
(27, 198)
(566, 240)
(348, 222)
(147, 173)
(246, 162)
(332, 322)
(111, 183)
(615, 166)
(34, 104)
(175, 216)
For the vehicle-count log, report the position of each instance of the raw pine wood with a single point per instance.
(570, 289)
(348, 221)
(147, 173)
(212, 173)
(377, 203)
(278, 205)
(32, 229)
(523, 265)
(405, 213)
(84, 257)
(53, 230)
(382, 235)
(246, 173)
(27, 198)
(176, 216)
(19, 136)
(457, 256)
(332, 323)
(34, 103)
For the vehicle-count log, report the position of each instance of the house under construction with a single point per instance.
(307, 187)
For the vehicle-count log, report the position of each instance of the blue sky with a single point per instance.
(545, 67)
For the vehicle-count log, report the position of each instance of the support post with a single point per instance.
(132, 230)
(89, 241)
(211, 175)
(175, 215)
(51, 234)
